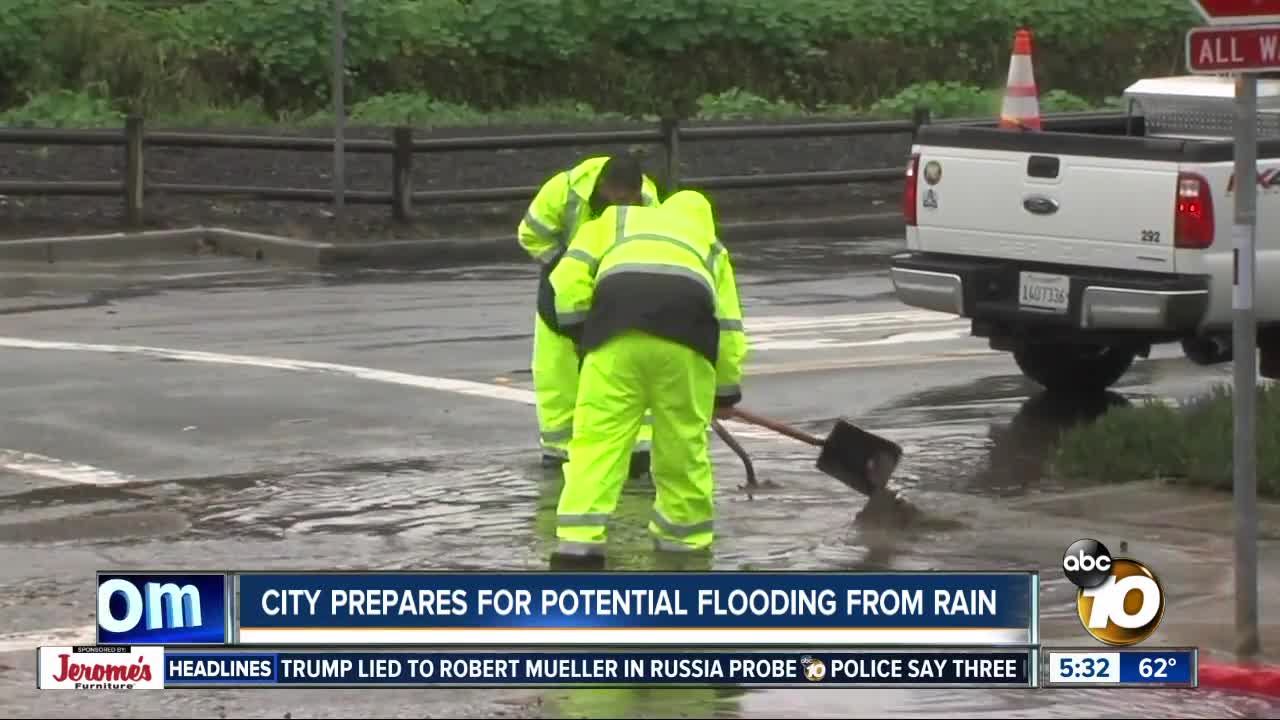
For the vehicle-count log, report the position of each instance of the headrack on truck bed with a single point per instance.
(1100, 139)
(1200, 107)
(1187, 119)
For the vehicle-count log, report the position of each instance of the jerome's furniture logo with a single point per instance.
(100, 667)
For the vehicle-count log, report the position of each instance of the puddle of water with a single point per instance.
(494, 510)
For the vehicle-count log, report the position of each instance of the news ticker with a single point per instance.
(740, 609)
(153, 667)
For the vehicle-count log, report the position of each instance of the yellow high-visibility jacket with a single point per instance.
(657, 270)
(560, 208)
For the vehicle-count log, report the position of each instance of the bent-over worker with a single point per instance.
(562, 205)
(652, 294)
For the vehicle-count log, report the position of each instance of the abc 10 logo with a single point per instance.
(1119, 601)
(814, 669)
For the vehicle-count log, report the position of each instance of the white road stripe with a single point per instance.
(426, 382)
(27, 463)
(810, 322)
(136, 279)
(67, 471)
(819, 343)
(891, 361)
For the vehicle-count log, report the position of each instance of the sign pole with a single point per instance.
(1245, 354)
(339, 113)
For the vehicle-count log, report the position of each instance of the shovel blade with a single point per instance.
(862, 460)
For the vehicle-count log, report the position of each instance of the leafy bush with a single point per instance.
(1060, 101)
(948, 99)
(64, 108)
(1191, 444)
(245, 115)
(635, 58)
(23, 23)
(423, 111)
(957, 100)
(739, 104)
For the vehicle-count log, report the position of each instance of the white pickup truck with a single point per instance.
(1079, 247)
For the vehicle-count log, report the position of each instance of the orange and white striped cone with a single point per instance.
(1021, 109)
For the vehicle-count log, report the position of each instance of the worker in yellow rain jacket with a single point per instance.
(562, 205)
(651, 295)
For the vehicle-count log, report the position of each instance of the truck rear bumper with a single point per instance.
(929, 289)
(987, 290)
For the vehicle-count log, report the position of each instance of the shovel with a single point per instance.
(738, 450)
(857, 458)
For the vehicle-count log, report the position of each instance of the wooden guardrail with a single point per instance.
(402, 146)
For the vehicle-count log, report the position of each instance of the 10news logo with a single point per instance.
(1120, 601)
(162, 608)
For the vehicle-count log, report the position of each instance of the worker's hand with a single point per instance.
(724, 413)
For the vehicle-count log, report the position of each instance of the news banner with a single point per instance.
(182, 629)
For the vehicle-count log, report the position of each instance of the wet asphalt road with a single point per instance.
(260, 418)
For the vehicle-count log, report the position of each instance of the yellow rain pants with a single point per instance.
(618, 381)
(555, 386)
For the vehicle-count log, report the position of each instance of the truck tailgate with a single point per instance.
(1084, 210)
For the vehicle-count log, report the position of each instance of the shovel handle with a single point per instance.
(738, 450)
(774, 425)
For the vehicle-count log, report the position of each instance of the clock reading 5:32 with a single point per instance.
(1084, 667)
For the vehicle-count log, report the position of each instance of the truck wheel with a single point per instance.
(1073, 368)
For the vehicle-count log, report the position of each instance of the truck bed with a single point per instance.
(1097, 195)
(1089, 135)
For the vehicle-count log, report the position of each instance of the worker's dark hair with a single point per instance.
(620, 177)
(622, 172)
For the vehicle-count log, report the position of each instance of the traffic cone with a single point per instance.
(1021, 109)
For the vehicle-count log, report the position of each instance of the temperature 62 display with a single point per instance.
(1157, 667)
(1170, 667)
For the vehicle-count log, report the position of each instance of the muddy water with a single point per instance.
(488, 510)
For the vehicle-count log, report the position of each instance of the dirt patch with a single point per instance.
(29, 216)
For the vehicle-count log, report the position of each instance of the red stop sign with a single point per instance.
(1238, 12)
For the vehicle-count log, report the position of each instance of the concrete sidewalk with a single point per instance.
(425, 252)
(1187, 537)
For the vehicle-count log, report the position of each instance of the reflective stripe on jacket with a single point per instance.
(661, 271)
(562, 204)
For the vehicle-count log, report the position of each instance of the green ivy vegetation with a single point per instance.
(450, 58)
(1189, 444)
(83, 109)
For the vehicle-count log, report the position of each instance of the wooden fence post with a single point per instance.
(671, 145)
(134, 175)
(401, 173)
(919, 117)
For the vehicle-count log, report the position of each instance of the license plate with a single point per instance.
(1044, 292)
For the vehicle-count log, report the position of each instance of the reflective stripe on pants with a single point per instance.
(618, 380)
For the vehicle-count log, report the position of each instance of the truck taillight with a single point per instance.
(910, 193)
(1193, 220)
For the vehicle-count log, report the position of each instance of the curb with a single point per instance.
(110, 245)
(413, 253)
(1263, 680)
